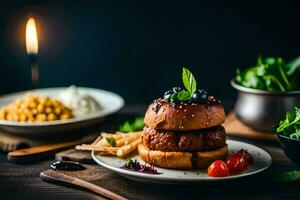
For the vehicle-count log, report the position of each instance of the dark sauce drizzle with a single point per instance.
(67, 166)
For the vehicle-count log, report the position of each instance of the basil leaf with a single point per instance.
(288, 177)
(137, 125)
(111, 140)
(189, 81)
(183, 95)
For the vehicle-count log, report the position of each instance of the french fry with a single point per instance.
(89, 147)
(125, 143)
(97, 140)
(124, 150)
(128, 138)
(103, 142)
(120, 138)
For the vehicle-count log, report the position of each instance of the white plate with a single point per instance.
(168, 176)
(109, 101)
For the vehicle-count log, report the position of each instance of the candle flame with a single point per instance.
(32, 45)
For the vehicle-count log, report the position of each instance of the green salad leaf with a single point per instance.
(271, 74)
(111, 140)
(290, 126)
(288, 177)
(136, 125)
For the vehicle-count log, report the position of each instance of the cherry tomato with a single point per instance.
(247, 156)
(218, 169)
(237, 163)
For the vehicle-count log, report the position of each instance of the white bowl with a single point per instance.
(110, 103)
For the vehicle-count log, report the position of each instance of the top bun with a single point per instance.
(162, 115)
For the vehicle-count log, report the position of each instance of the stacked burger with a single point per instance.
(183, 130)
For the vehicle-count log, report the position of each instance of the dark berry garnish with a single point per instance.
(200, 96)
(204, 94)
(196, 95)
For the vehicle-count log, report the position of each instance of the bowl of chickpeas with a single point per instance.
(33, 108)
(40, 112)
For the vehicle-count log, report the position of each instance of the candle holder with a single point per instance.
(32, 58)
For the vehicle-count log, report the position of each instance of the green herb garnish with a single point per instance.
(137, 125)
(288, 177)
(189, 81)
(290, 126)
(129, 161)
(183, 95)
(271, 74)
(111, 140)
(190, 85)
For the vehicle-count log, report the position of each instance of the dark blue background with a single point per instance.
(137, 48)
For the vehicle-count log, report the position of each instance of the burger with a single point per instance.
(183, 130)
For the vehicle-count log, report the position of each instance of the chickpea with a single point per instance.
(51, 117)
(23, 117)
(26, 111)
(41, 117)
(2, 115)
(65, 116)
(16, 118)
(30, 119)
(40, 108)
(34, 111)
(32, 104)
(48, 110)
(58, 111)
(43, 101)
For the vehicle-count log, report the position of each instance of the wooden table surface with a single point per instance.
(23, 182)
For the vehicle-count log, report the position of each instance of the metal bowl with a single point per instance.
(260, 109)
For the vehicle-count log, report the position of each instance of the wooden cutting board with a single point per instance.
(236, 128)
(96, 175)
(75, 155)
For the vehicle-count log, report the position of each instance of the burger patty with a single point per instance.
(200, 140)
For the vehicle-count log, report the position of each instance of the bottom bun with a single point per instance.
(181, 160)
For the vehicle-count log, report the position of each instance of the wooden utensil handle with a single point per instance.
(58, 177)
(38, 152)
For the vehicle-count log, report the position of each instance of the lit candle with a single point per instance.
(32, 49)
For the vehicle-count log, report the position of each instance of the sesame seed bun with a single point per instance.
(162, 115)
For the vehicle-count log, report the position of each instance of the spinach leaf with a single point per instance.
(293, 66)
(271, 74)
(290, 126)
(288, 177)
